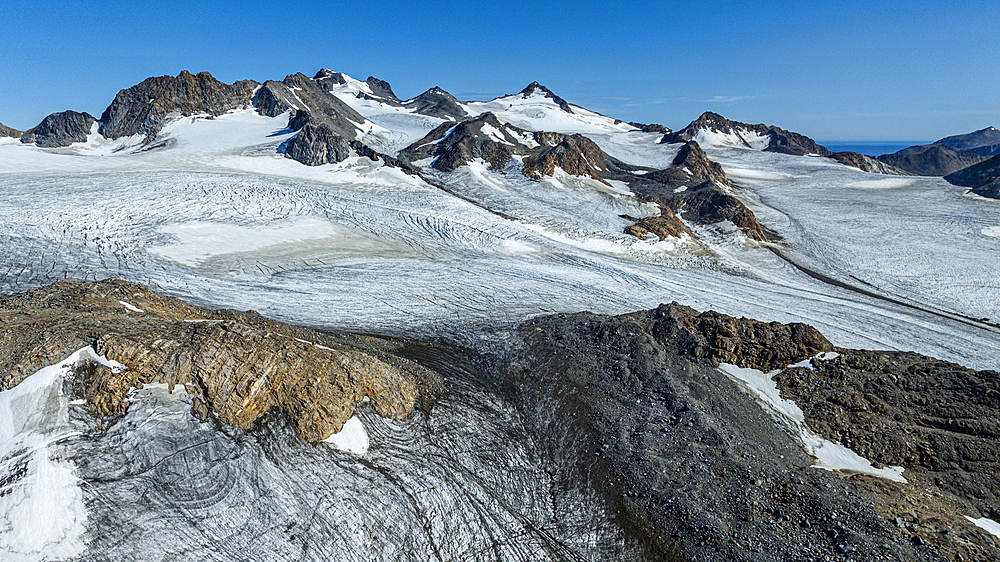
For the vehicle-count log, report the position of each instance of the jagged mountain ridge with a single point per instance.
(715, 130)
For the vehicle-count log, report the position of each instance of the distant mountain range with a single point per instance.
(324, 110)
(947, 155)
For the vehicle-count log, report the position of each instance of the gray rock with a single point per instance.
(60, 129)
(535, 88)
(318, 143)
(306, 97)
(146, 107)
(868, 164)
(692, 461)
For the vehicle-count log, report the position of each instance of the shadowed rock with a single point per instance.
(984, 142)
(983, 178)
(146, 107)
(574, 154)
(930, 160)
(60, 129)
(238, 365)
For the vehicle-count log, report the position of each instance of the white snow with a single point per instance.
(352, 438)
(42, 512)
(893, 182)
(755, 174)
(537, 112)
(130, 306)
(986, 524)
(829, 455)
(738, 138)
(992, 231)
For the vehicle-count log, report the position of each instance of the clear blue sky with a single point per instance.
(830, 70)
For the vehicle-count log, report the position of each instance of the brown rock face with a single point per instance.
(6, 131)
(575, 154)
(692, 157)
(238, 365)
(145, 107)
(663, 226)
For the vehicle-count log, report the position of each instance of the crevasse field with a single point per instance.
(217, 216)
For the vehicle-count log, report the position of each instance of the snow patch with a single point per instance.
(992, 231)
(737, 138)
(986, 524)
(829, 455)
(756, 174)
(352, 438)
(130, 306)
(495, 134)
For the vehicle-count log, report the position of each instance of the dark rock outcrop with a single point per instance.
(692, 461)
(574, 154)
(436, 102)
(938, 420)
(983, 178)
(318, 143)
(931, 160)
(867, 164)
(6, 131)
(984, 142)
(146, 107)
(456, 145)
(60, 129)
(238, 365)
(780, 140)
(307, 100)
(651, 128)
(692, 157)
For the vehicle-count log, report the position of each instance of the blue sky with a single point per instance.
(831, 70)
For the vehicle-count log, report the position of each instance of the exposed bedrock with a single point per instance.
(6, 131)
(146, 107)
(869, 164)
(238, 365)
(931, 160)
(704, 472)
(60, 129)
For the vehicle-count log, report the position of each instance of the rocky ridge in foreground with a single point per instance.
(707, 473)
(983, 178)
(237, 365)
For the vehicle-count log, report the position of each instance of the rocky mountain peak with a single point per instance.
(381, 89)
(327, 75)
(145, 107)
(985, 142)
(535, 88)
(60, 129)
(436, 102)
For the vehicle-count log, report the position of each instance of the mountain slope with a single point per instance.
(983, 178)
(931, 160)
(6, 131)
(60, 129)
(985, 142)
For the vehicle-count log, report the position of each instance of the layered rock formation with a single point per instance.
(6, 131)
(931, 160)
(237, 365)
(146, 107)
(574, 154)
(701, 469)
(60, 129)
(983, 178)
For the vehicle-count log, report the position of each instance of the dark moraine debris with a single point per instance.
(60, 129)
(700, 468)
(146, 107)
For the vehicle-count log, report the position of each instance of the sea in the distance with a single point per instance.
(870, 148)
